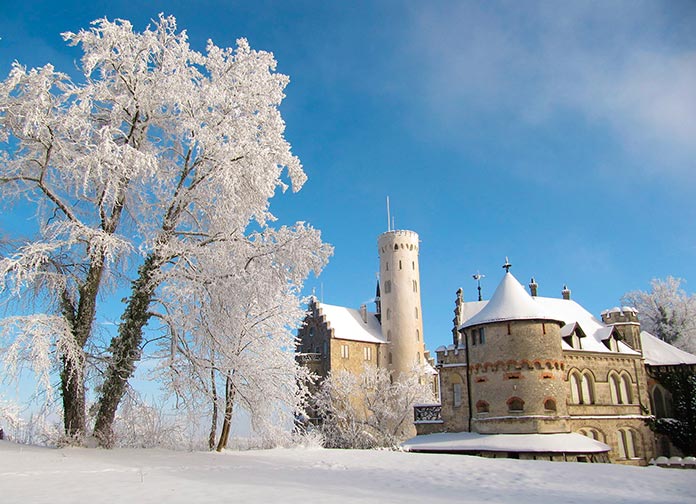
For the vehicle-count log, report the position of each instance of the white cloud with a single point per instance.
(627, 67)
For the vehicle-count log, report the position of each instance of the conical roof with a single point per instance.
(510, 301)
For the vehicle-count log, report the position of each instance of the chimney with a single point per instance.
(533, 286)
(565, 292)
(363, 313)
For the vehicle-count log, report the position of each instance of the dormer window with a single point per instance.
(612, 343)
(572, 334)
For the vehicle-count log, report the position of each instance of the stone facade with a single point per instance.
(540, 375)
(519, 364)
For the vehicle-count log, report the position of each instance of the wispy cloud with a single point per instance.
(627, 67)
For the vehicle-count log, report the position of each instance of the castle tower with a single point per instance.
(625, 319)
(402, 323)
(516, 364)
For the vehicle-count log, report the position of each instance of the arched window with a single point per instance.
(482, 407)
(626, 389)
(417, 334)
(591, 433)
(614, 389)
(661, 402)
(550, 405)
(515, 404)
(575, 390)
(620, 388)
(587, 388)
(388, 313)
(581, 387)
(627, 443)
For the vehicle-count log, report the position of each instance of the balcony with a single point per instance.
(427, 413)
(308, 357)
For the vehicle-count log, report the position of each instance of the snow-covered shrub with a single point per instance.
(369, 410)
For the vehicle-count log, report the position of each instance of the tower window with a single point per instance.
(388, 313)
(344, 352)
(550, 405)
(390, 358)
(367, 353)
(482, 336)
(515, 404)
(417, 335)
(482, 407)
(416, 311)
(457, 393)
(413, 265)
(387, 286)
(387, 266)
(415, 286)
(389, 339)
(399, 264)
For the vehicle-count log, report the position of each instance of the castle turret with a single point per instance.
(625, 319)
(402, 324)
(516, 364)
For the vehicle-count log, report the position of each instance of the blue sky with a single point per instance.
(562, 135)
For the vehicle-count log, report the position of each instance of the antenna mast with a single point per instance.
(388, 216)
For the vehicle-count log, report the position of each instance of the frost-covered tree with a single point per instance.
(368, 410)
(232, 345)
(155, 167)
(667, 312)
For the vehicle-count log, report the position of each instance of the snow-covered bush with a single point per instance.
(369, 410)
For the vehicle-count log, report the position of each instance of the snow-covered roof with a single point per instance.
(623, 309)
(512, 302)
(535, 443)
(658, 353)
(347, 323)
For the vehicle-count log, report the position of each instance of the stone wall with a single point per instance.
(517, 377)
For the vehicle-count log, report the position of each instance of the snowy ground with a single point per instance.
(36, 475)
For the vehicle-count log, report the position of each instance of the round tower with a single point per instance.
(516, 365)
(402, 323)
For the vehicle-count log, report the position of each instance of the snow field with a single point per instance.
(68, 475)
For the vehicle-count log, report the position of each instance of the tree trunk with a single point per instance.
(72, 388)
(213, 423)
(72, 376)
(125, 350)
(227, 421)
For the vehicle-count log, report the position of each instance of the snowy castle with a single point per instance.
(525, 376)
